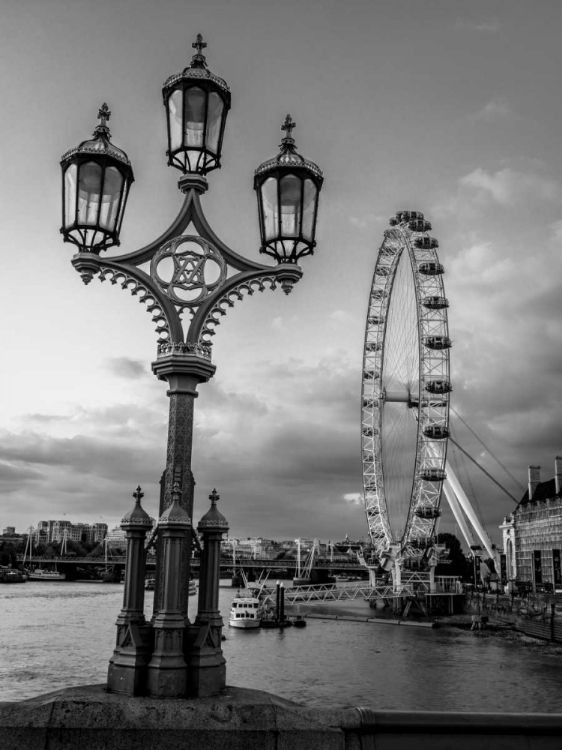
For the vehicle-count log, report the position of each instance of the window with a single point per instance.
(537, 566)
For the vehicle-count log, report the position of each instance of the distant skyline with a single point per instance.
(447, 108)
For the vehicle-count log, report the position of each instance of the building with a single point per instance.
(58, 531)
(532, 534)
(116, 538)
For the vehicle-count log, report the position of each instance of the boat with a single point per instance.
(11, 575)
(46, 575)
(297, 621)
(245, 612)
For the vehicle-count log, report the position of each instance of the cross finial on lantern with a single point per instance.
(214, 497)
(199, 44)
(104, 114)
(288, 126)
(198, 59)
(138, 494)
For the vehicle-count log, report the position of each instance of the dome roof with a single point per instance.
(137, 516)
(175, 513)
(197, 70)
(213, 520)
(100, 144)
(288, 157)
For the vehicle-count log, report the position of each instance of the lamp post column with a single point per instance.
(206, 663)
(183, 370)
(167, 671)
(127, 666)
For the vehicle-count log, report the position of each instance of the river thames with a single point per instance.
(55, 635)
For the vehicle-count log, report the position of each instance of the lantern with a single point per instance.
(96, 180)
(288, 187)
(197, 103)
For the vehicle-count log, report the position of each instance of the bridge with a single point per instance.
(416, 585)
(225, 564)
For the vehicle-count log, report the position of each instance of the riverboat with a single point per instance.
(10, 575)
(245, 612)
(46, 575)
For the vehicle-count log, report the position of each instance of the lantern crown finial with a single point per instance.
(288, 141)
(198, 60)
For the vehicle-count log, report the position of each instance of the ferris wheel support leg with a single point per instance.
(458, 514)
(396, 576)
(467, 507)
(432, 579)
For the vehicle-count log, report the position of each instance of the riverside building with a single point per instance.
(532, 534)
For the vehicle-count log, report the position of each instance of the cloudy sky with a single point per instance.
(447, 107)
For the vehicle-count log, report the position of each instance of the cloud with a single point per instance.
(125, 367)
(354, 498)
(507, 186)
(366, 220)
(494, 110)
(489, 26)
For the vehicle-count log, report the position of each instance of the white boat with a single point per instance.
(46, 575)
(245, 612)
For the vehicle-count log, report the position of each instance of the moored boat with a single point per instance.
(11, 575)
(245, 612)
(46, 575)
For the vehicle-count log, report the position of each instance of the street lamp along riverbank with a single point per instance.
(190, 282)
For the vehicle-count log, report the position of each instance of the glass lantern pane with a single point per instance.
(112, 187)
(290, 187)
(175, 110)
(89, 187)
(194, 117)
(309, 210)
(70, 196)
(214, 119)
(123, 202)
(270, 208)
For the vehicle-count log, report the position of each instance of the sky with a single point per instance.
(446, 107)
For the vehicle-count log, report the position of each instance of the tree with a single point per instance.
(459, 565)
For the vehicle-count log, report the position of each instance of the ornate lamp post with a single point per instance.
(192, 278)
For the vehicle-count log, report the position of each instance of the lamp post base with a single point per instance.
(206, 665)
(128, 666)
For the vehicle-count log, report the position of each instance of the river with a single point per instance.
(58, 634)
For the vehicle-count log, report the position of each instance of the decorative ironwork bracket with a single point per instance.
(186, 288)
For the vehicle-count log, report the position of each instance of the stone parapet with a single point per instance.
(242, 719)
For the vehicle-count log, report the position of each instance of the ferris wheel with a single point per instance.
(405, 391)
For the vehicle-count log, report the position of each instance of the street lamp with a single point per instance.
(190, 281)
(96, 180)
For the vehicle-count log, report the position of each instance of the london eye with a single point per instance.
(405, 392)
